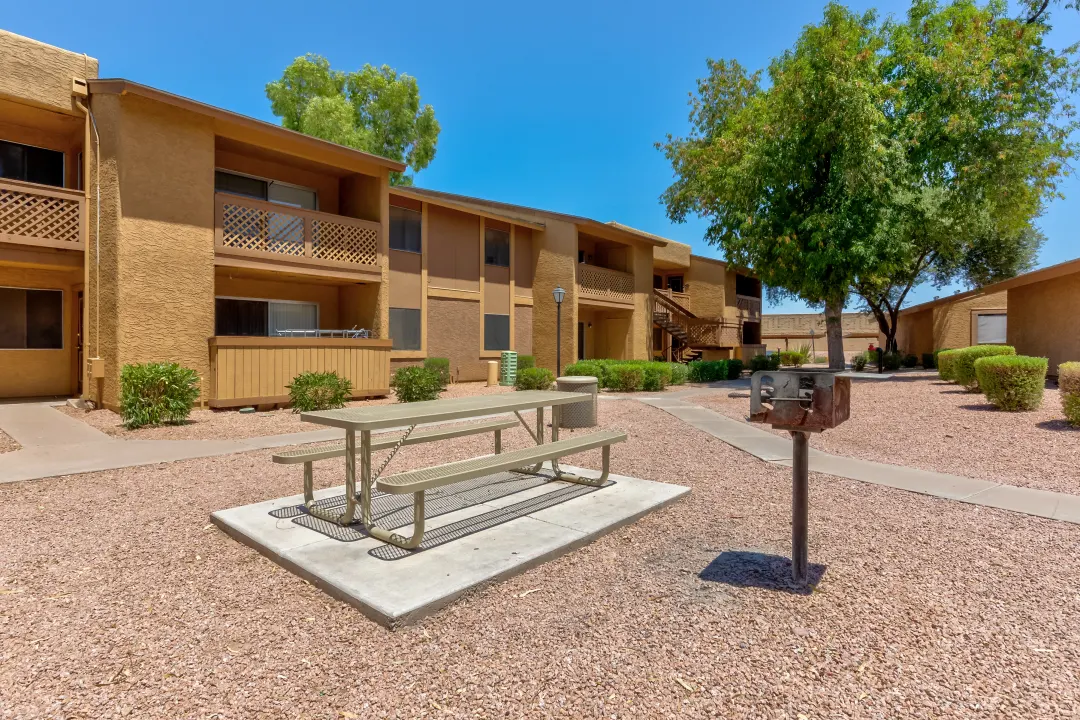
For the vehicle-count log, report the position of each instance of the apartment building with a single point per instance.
(137, 225)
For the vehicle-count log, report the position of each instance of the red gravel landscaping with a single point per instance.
(7, 444)
(919, 421)
(119, 598)
(232, 424)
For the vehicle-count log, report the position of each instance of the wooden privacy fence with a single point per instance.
(256, 370)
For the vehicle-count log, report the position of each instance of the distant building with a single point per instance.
(792, 330)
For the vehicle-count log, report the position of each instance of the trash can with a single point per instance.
(582, 414)
(493, 372)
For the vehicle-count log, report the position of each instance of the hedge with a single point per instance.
(1012, 382)
(654, 375)
(891, 361)
(734, 369)
(679, 373)
(526, 361)
(441, 366)
(704, 371)
(963, 369)
(929, 361)
(909, 361)
(946, 362)
(534, 378)
(311, 391)
(157, 393)
(792, 357)
(765, 362)
(1069, 383)
(625, 378)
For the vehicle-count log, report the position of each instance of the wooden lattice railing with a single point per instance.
(605, 284)
(32, 214)
(261, 229)
(748, 305)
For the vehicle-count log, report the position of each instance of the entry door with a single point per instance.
(81, 368)
(581, 341)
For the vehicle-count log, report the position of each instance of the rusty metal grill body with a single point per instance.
(801, 402)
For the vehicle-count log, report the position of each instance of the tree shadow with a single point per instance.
(981, 407)
(1059, 426)
(746, 568)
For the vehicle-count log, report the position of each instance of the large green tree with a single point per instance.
(787, 174)
(373, 109)
(882, 155)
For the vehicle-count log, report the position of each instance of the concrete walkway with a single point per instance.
(776, 449)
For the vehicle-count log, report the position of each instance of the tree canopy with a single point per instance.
(881, 154)
(372, 109)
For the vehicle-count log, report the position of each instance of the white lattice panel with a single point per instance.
(32, 216)
(344, 243)
(251, 228)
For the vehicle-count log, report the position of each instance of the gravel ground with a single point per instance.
(231, 424)
(7, 444)
(120, 599)
(919, 421)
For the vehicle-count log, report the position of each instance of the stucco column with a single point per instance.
(556, 264)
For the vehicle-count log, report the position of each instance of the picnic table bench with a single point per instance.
(409, 415)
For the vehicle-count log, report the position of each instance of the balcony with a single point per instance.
(605, 287)
(253, 233)
(41, 215)
(679, 297)
(749, 307)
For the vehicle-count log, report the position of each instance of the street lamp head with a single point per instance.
(559, 294)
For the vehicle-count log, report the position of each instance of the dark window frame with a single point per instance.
(404, 236)
(25, 173)
(408, 339)
(496, 250)
(492, 333)
(40, 336)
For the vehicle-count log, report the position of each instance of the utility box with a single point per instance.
(508, 368)
(97, 368)
(806, 400)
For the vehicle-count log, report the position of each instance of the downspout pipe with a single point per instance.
(97, 227)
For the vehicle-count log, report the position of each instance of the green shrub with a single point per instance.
(891, 361)
(310, 391)
(534, 378)
(626, 378)
(655, 376)
(679, 373)
(765, 362)
(909, 361)
(859, 362)
(1012, 382)
(1069, 383)
(586, 368)
(963, 369)
(705, 371)
(416, 384)
(734, 369)
(929, 361)
(157, 393)
(946, 363)
(441, 366)
(526, 361)
(792, 357)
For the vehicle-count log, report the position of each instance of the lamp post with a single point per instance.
(558, 293)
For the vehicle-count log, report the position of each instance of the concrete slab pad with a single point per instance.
(411, 585)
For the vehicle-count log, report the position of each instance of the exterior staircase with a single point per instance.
(689, 333)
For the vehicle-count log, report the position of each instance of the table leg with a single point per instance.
(365, 478)
(350, 478)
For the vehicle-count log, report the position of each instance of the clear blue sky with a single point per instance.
(555, 105)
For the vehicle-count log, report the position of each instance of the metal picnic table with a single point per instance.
(364, 420)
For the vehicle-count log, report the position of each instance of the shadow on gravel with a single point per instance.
(1059, 426)
(745, 568)
(981, 407)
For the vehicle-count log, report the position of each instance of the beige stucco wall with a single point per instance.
(1044, 320)
(674, 253)
(38, 373)
(453, 249)
(952, 321)
(789, 331)
(325, 296)
(555, 249)
(157, 257)
(405, 285)
(914, 332)
(523, 329)
(707, 280)
(41, 74)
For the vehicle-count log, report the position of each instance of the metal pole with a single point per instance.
(558, 339)
(880, 357)
(800, 502)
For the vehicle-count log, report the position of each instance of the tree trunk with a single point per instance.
(834, 311)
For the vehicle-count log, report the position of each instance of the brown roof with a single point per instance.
(1047, 273)
(119, 86)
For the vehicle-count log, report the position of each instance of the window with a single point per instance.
(675, 283)
(31, 164)
(262, 318)
(496, 247)
(269, 190)
(751, 333)
(658, 282)
(496, 332)
(404, 229)
(31, 319)
(990, 329)
(747, 286)
(405, 328)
